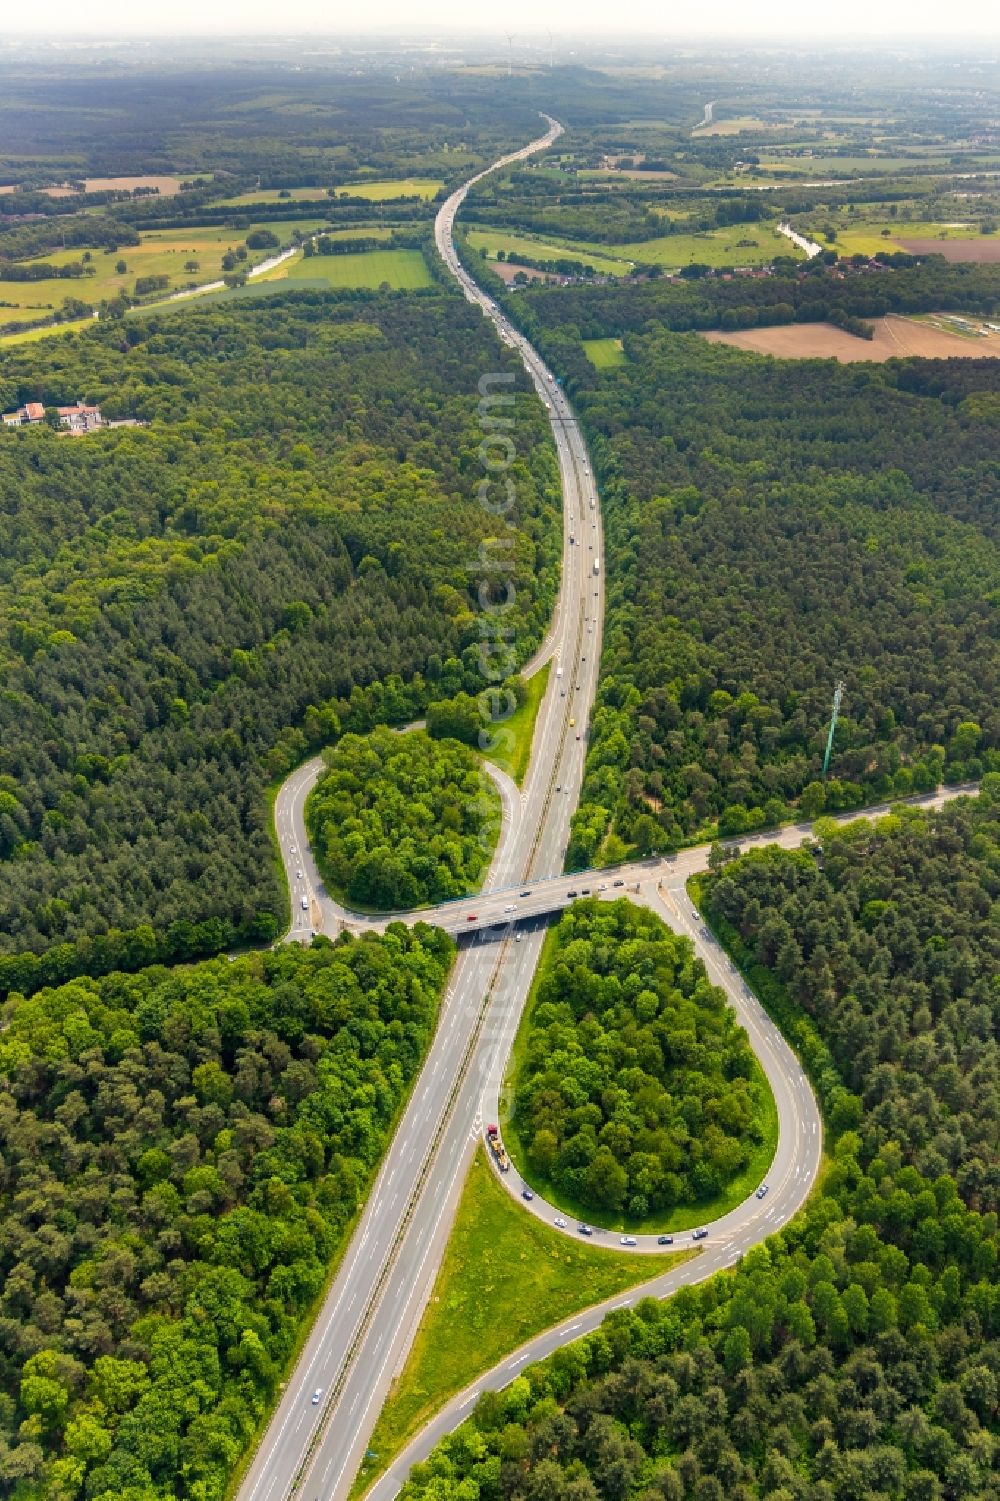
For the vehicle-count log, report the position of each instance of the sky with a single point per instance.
(789, 19)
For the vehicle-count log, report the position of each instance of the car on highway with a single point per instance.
(585, 1230)
(572, 723)
(578, 736)
(664, 1240)
(571, 893)
(314, 1399)
(525, 893)
(584, 890)
(305, 904)
(629, 1240)
(618, 883)
(603, 886)
(471, 917)
(559, 786)
(699, 1234)
(559, 1222)
(511, 908)
(695, 915)
(762, 1191)
(526, 1193)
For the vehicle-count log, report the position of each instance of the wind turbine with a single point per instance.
(510, 35)
(550, 48)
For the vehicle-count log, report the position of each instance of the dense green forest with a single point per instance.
(772, 527)
(397, 821)
(855, 1354)
(636, 1089)
(293, 546)
(181, 1154)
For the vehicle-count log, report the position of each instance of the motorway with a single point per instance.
(320, 1429)
(364, 1328)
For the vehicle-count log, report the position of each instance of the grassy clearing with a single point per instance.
(682, 1216)
(505, 1277)
(513, 756)
(604, 354)
(401, 270)
(492, 240)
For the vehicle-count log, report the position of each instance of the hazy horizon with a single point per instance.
(780, 20)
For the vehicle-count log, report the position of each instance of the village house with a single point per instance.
(78, 419)
(32, 411)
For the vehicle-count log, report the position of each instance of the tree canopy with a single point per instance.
(854, 1355)
(397, 821)
(636, 1090)
(181, 1153)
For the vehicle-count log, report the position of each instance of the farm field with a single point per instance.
(842, 166)
(983, 250)
(870, 237)
(162, 252)
(31, 335)
(401, 187)
(734, 127)
(604, 354)
(166, 186)
(403, 270)
(377, 192)
(895, 338)
(717, 247)
(492, 240)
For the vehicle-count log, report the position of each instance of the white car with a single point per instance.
(628, 1240)
(315, 1398)
(305, 904)
(559, 1223)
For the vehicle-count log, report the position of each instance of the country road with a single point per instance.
(321, 1426)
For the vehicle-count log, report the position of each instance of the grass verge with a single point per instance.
(505, 1277)
(513, 757)
(682, 1216)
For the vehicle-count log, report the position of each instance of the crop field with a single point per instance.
(401, 187)
(401, 270)
(604, 354)
(895, 338)
(842, 166)
(163, 252)
(734, 127)
(492, 240)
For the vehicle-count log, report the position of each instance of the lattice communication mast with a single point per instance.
(837, 697)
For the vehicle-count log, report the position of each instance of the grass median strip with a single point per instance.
(505, 1277)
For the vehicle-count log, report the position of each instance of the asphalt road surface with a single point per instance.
(320, 1429)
